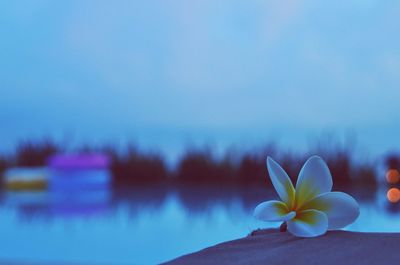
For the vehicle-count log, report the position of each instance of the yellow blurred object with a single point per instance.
(393, 195)
(392, 176)
(21, 179)
(18, 185)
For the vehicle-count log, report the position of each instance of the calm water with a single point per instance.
(144, 225)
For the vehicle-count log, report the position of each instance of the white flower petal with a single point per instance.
(273, 211)
(314, 179)
(309, 223)
(281, 181)
(341, 208)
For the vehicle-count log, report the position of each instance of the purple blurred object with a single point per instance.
(79, 161)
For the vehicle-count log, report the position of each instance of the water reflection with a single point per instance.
(148, 224)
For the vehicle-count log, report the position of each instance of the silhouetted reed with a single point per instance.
(133, 167)
(202, 167)
(4, 163)
(347, 173)
(252, 170)
(392, 161)
(33, 154)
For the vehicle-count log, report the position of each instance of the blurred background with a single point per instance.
(133, 132)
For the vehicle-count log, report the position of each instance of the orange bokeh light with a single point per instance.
(393, 195)
(392, 176)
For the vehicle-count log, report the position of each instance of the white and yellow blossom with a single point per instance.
(311, 209)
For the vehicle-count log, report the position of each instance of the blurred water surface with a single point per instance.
(145, 225)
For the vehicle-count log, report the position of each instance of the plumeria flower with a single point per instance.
(311, 209)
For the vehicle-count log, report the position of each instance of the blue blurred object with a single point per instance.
(79, 161)
(79, 184)
(79, 172)
(79, 179)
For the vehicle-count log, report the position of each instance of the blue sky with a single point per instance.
(165, 72)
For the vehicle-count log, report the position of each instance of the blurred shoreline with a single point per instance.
(131, 167)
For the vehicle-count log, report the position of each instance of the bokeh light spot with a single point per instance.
(393, 195)
(392, 176)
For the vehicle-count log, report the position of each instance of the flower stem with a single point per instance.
(283, 227)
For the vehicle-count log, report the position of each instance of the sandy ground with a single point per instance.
(273, 247)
